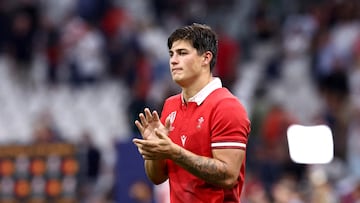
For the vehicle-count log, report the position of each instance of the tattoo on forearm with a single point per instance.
(203, 167)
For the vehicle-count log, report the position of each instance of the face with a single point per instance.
(186, 66)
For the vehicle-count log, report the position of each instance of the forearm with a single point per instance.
(156, 171)
(211, 170)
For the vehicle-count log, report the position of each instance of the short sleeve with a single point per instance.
(230, 125)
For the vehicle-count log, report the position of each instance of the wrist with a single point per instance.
(177, 152)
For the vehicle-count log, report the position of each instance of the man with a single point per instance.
(200, 140)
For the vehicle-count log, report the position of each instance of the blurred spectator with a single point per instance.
(23, 30)
(353, 143)
(84, 52)
(56, 12)
(90, 166)
(141, 192)
(5, 26)
(254, 191)
(151, 36)
(275, 124)
(228, 59)
(139, 90)
(322, 191)
(353, 196)
(92, 11)
(52, 52)
(285, 191)
(335, 91)
(323, 54)
(298, 31)
(112, 21)
(163, 10)
(45, 129)
(264, 27)
(273, 144)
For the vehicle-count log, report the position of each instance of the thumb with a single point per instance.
(160, 134)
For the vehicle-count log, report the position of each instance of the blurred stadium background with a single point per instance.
(78, 72)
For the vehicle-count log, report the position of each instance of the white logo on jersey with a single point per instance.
(183, 139)
(200, 122)
(172, 117)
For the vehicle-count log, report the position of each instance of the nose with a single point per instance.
(173, 60)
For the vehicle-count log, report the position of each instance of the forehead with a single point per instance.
(181, 44)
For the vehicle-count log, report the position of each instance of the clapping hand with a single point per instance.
(155, 144)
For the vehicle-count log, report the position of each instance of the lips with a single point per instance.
(176, 69)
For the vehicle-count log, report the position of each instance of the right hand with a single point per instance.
(148, 123)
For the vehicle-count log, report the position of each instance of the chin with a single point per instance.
(176, 78)
(181, 83)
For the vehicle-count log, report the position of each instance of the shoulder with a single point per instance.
(229, 119)
(223, 98)
(227, 107)
(221, 93)
(173, 99)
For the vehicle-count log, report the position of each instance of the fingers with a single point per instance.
(145, 154)
(147, 122)
(143, 120)
(145, 148)
(144, 143)
(155, 116)
(148, 115)
(139, 126)
(159, 134)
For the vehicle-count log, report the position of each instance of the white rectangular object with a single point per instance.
(310, 144)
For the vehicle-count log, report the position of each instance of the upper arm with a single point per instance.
(230, 136)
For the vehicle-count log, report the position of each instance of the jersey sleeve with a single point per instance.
(230, 125)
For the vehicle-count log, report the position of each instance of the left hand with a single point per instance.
(156, 149)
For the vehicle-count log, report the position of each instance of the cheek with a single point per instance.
(191, 65)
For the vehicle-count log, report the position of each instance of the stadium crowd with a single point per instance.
(289, 61)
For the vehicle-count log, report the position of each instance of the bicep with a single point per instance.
(232, 158)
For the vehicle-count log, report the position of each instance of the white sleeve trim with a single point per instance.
(228, 144)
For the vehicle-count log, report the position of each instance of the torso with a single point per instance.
(193, 128)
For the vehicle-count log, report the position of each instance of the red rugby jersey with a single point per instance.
(214, 118)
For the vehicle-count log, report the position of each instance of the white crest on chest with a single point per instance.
(200, 122)
(172, 117)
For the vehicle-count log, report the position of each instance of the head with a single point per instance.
(200, 36)
(192, 51)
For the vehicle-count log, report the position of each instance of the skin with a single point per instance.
(191, 72)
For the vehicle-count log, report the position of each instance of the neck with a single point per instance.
(193, 89)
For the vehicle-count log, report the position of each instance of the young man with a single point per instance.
(199, 142)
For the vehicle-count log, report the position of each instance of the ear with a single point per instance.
(207, 56)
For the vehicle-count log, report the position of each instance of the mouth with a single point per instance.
(173, 70)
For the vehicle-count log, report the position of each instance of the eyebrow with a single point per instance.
(178, 50)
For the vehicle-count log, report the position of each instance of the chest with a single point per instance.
(190, 128)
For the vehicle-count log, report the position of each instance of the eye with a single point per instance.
(182, 53)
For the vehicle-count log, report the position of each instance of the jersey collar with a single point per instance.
(204, 92)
